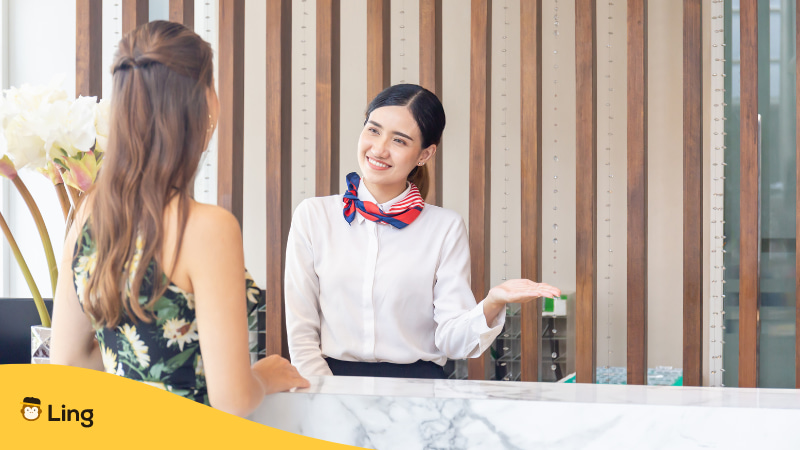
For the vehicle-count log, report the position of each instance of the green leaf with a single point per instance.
(178, 360)
(155, 371)
(161, 303)
(165, 309)
(168, 313)
(60, 163)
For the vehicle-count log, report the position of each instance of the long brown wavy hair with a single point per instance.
(158, 131)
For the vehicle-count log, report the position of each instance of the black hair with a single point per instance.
(428, 113)
(424, 105)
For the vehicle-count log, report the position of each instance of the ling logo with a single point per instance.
(32, 409)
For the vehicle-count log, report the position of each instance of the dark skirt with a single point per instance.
(419, 369)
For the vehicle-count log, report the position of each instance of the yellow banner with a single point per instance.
(48, 406)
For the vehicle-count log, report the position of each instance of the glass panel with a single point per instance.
(777, 106)
(158, 10)
(732, 32)
(730, 349)
(775, 34)
(778, 181)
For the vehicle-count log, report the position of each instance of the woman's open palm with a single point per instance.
(522, 291)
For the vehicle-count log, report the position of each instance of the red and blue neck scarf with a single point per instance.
(400, 215)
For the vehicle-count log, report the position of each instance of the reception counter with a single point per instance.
(388, 413)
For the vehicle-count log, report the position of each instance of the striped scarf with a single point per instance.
(400, 215)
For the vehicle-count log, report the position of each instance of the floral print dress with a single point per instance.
(164, 353)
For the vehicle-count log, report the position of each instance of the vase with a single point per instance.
(40, 344)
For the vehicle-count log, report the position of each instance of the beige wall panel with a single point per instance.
(505, 238)
(353, 81)
(455, 97)
(405, 54)
(611, 102)
(255, 152)
(304, 107)
(665, 177)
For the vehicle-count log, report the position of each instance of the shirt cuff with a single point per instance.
(486, 334)
(315, 366)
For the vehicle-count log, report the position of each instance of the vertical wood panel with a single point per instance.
(378, 47)
(749, 226)
(182, 11)
(531, 154)
(134, 13)
(230, 143)
(692, 193)
(279, 164)
(480, 156)
(637, 192)
(328, 42)
(586, 189)
(88, 48)
(430, 77)
(797, 210)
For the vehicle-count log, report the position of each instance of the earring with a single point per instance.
(420, 163)
(210, 124)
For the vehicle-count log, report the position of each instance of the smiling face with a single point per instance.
(389, 148)
(30, 412)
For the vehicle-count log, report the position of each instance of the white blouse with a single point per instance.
(370, 292)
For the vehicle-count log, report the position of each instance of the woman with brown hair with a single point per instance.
(157, 279)
(378, 281)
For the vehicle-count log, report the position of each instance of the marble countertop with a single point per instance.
(403, 414)
(557, 392)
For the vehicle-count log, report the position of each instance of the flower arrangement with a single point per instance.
(41, 129)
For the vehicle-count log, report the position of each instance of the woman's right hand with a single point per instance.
(277, 374)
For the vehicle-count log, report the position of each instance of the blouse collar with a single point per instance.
(366, 196)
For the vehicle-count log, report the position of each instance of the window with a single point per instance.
(4, 251)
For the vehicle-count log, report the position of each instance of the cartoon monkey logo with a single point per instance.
(31, 408)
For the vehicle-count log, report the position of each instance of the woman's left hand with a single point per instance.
(520, 291)
(515, 291)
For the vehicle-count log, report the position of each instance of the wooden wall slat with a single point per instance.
(88, 48)
(480, 156)
(134, 13)
(328, 62)
(750, 233)
(430, 77)
(693, 193)
(182, 11)
(586, 189)
(637, 192)
(797, 212)
(230, 141)
(531, 172)
(378, 47)
(279, 165)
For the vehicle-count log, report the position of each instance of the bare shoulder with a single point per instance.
(204, 216)
(210, 223)
(212, 247)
